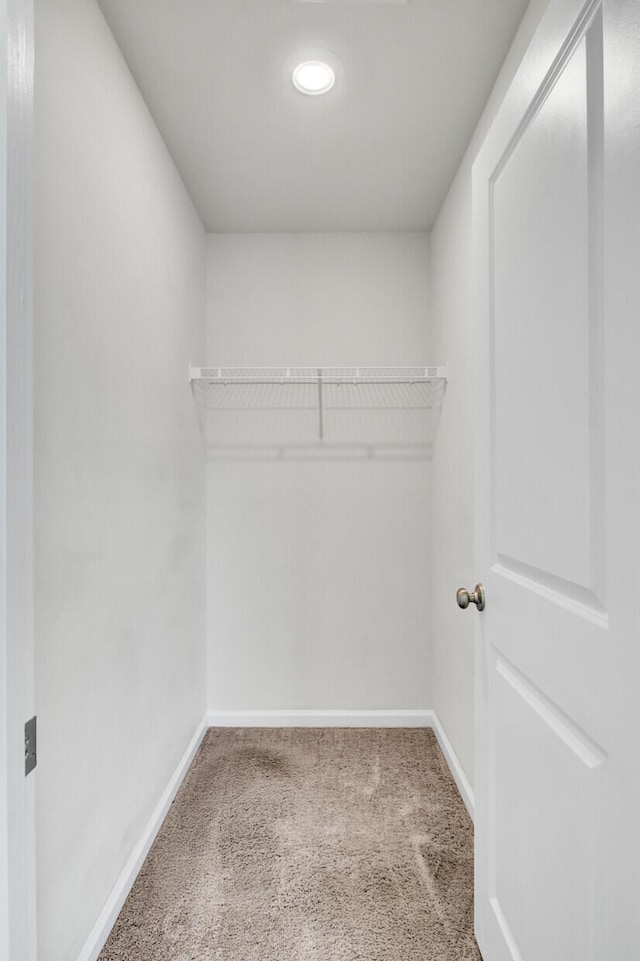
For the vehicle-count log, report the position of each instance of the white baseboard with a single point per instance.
(462, 783)
(417, 718)
(320, 718)
(101, 929)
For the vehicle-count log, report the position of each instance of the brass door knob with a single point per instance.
(465, 597)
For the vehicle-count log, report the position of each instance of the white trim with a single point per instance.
(17, 688)
(319, 718)
(101, 929)
(457, 771)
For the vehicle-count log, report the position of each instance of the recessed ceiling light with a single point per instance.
(313, 77)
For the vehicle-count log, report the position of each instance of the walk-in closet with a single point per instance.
(318, 485)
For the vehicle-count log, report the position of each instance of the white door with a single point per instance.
(557, 428)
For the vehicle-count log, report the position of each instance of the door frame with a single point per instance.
(17, 694)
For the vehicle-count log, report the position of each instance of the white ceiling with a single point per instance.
(376, 153)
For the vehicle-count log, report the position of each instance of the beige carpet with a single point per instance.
(307, 845)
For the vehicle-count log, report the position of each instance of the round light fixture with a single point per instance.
(313, 77)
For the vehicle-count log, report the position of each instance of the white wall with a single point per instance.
(318, 570)
(451, 332)
(119, 311)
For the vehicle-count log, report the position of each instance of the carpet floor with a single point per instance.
(307, 845)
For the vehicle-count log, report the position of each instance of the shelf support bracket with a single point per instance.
(320, 410)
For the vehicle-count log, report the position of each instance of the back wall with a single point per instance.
(318, 555)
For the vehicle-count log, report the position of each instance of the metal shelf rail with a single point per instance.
(318, 388)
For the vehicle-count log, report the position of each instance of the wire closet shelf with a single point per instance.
(322, 390)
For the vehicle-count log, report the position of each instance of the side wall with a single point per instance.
(119, 310)
(318, 557)
(451, 332)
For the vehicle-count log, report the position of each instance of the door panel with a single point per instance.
(540, 226)
(557, 641)
(546, 773)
